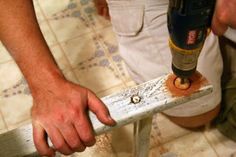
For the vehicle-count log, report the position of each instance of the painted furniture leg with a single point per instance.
(142, 130)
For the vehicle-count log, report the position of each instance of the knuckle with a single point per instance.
(44, 154)
(59, 118)
(89, 139)
(59, 145)
(74, 113)
(75, 144)
(81, 149)
(67, 153)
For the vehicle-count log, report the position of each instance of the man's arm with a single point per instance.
(59, 106)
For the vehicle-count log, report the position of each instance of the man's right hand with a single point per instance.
(224, 16)
(61, 113)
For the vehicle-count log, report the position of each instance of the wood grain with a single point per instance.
(154, 98)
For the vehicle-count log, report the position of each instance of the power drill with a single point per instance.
(189, 23)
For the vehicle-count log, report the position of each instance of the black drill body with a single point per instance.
(188, 24)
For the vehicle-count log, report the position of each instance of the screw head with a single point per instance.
(135, 99)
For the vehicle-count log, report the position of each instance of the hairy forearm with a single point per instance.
(20, 33)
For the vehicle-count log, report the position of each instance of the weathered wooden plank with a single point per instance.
(154, 98)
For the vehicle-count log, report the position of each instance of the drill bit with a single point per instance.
(183, 80)
(182, 83)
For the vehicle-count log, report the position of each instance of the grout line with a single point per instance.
(191, 132)
(80, 35)
(20, 123)
(7, 61)
(64, 54)
(168, 141)
(109, 56)
(209, 142)
(102, 91)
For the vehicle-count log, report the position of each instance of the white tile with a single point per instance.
(38, 12)
(10, 75)
(4, 54)
(98, 78)
(3, 127)
(84, 52)
(16, 109)
(122, 140)
(15, 98)
(112, 90)
(52, 6)
(65, 18)
(222, 145)
(47, 33)
(60, 57)
(69, 75)
(90, 62)
(130, 83)
(191, 145)
(20, 124)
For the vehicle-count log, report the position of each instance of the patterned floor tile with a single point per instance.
(163, 130)
(69, 75)
(108, 40)
(19, 124)
(105, 78)
(38, 12)
(16, 109)
(65, 18)
(222, 145)
(130, 83)
(60, 57)
(10, 74)
(111, 90)
(94, 20)
(47, 33)
(52, 6)
(191, 145)
(116, 89)
(84, 51)
(3, 127)
(91, 62)
(122, 141)
(4, 54)
(15, 98)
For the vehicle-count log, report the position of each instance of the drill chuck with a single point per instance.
(184, 62)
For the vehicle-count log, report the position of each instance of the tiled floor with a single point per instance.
(85, 49)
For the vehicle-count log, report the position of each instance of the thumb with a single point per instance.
(100, 109)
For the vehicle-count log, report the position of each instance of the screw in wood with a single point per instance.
(135, 99)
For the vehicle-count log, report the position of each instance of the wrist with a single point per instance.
(45, 80)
